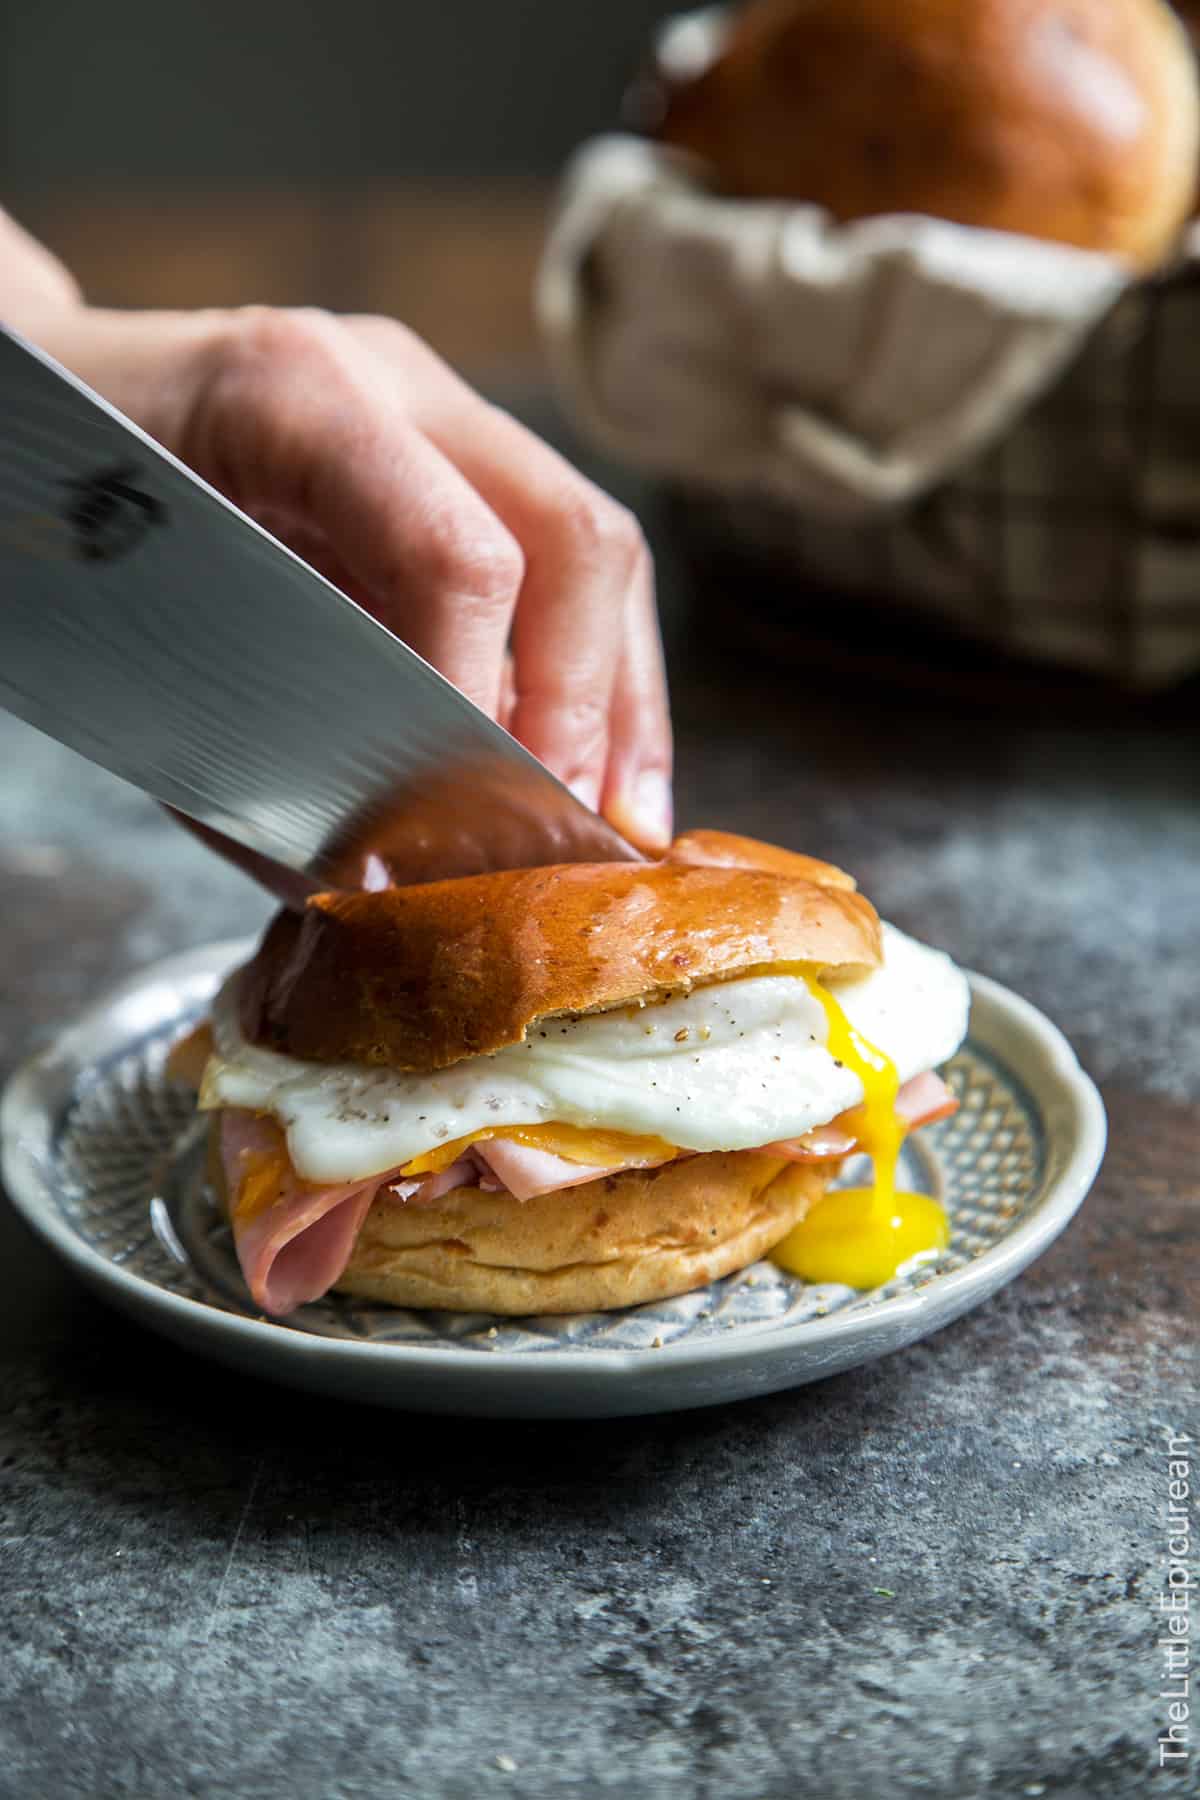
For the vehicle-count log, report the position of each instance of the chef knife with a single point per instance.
(152, 626)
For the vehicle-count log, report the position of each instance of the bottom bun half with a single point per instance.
(645, 1234)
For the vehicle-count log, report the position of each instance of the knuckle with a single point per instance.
(271, 336)
(283, 391)
(475, 558)
(600, 529)
(385, 333)
(586, 721)
(580, 719)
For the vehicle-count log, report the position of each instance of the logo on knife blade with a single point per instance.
(108, 516)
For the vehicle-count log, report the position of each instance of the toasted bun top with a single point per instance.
(418, 978)
(724, 850)
(1078, 122)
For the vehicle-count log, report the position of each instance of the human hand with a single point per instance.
(459, 529)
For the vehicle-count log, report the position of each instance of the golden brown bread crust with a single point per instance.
(620, 1241)
(422, 977)
(725, 850)
(1073, 121)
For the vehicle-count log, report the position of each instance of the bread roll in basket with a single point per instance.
(905, 299)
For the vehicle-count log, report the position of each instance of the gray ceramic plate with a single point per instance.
(101, 1154)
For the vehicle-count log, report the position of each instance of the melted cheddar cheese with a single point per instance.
(263, 1177)
(599, 1149)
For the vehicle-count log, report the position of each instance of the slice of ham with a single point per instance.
(297, 1247)
(820, 1145)
(422, 1190)
(294, 1250)
(924, 1099)
(526, 1172)
(919, 1102)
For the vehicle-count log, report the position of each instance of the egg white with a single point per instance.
(726, 1067)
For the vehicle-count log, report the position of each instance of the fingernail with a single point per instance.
(587, 789)
(651, 809)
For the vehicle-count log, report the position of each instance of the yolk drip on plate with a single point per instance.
(862, 1236)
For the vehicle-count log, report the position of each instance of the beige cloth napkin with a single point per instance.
(764, 348)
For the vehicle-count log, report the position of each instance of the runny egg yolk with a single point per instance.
(862, 1236)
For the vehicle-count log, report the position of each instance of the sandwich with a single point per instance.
(573, 1088)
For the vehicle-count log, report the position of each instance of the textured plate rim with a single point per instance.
(1068, 1100)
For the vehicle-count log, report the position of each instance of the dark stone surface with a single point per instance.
(932, 1576)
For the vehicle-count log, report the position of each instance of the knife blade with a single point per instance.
(150, 625)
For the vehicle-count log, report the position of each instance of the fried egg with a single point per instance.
(729, 1066)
